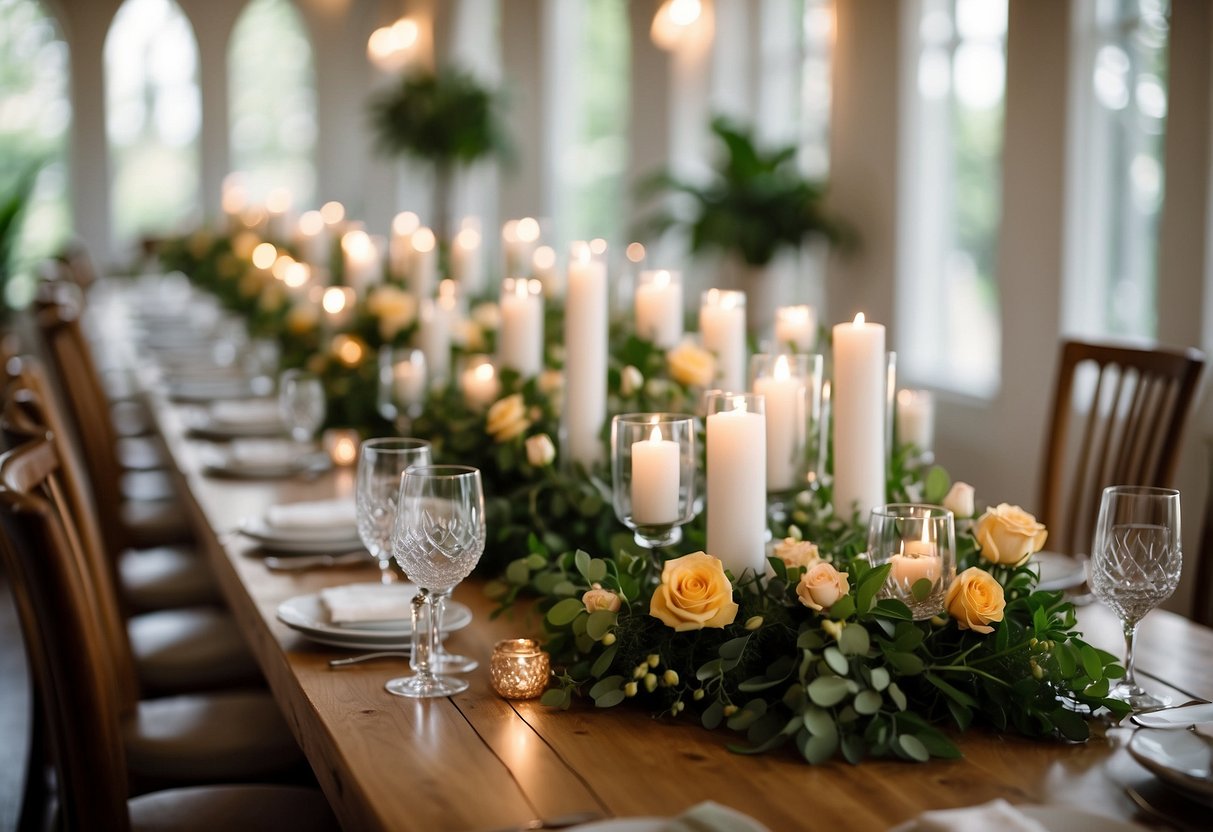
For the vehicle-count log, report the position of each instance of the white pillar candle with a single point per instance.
(659, 308)
(479, 385)
(858, 412)
(423, 272)
(796, 326)
(722, 327)
(408, 381)
(361, 258)
(520, 339)
(784, 394)
(543, 268)
(916, 418)
(312, 237)
(400, 249)
(737, 495)
(585, 356)
(655, 480)
(467, 267)
(434, 339)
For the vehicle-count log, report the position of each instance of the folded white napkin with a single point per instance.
(359, 603)
(997, 814)
(315, 515)
(712, 817)
(245, 413)
(257, 453)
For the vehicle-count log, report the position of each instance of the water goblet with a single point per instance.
(402, 384)
(438, 540)
(301, 403)
(381, 464)
(1136, 559)
(919, 544)
(653, 475)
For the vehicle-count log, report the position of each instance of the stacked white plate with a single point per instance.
(238, 418)
(1058, 571)
(309, 615)
(1182, 757)
(317, 537)
(262, 459)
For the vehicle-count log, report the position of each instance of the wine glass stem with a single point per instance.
(440, 599)
(421, 660)
(1130, 632)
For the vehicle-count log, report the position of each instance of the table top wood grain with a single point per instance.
(477, 762)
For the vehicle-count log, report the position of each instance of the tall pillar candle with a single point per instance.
(434, 339)
(916, 419)
(796, 327)
(659, 308)
(278, 215)
(400, 248)
(722, 328)
(467, 267)
(423, 271)
(737, 493)
(362, 264)
(585, 356)
(784, 391)
(858, 404)
(520, 342)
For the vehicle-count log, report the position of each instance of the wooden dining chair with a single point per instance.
(80, 689)
(1122, 425)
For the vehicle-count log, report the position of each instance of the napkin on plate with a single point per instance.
(363, 603)
(254, 453)
(246, 412)
(997, 814)
(316, 515)
(712, 817)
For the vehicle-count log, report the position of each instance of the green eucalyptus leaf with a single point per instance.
(854, 641)
(867, 702)
(582, 560)
(819, 722)
(712, 715)
(742, 720)
(913, 748)
(565, 612)
(907, 664)
(837, 662)
(535, 561)
(962, 715)
(827, 691)
(608, 684)
(819, 749)
(600, 623)
(596, 572)
(899, 698)
(937, 485)
(733, 648)
(610, 699)
(710, 670)
(853, 749)
(566, 588)
(556, 698)
(518, 572)
(809, 640)
(603, 663)
(921, 589)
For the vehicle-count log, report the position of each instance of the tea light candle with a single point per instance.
(341, 444)
(659, 308)
(858, 404)
(520, 346)
(722, 327)
(796, 326)
(655, 480)
(423, 273)
(736, 498)
(518, 669)
(585, 356)
(916, 419)
(479, 385)
(917, 560)
(785, 414)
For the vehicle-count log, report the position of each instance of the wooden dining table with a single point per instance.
(475, 761)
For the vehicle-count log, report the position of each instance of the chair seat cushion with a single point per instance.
(208, 738)
(190, 649)
(164, 577)
(141, 453)
(214, 808)
(155, 522)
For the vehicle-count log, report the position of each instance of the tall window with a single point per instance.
(1120, 96)
(947, 302)
(816, 86)
(35, 112)
(153, 117)
(273, 101)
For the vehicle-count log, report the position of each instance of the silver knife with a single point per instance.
(298, 564)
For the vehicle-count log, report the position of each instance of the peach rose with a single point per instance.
(975, 600)
(694, 593)
(690, 365)
(540, 451)
(821, 586)
(960, 500)
(1007, 534)
(795, 552)
(596, 598)
(630, 381)
(507, 418)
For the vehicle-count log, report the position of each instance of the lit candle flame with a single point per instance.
(859, 319)
(782, 372)
(655, 436)
(484, 372)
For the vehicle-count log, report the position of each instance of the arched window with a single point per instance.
(153, 118)
(947, 303)
(272, 101)
(35, 112)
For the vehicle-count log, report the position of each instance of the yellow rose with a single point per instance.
(507, 418)
(975, 600)
(596, 598)
(821, 586)
(394, 308)
(691, 366)
(694, 593)
(795, 552)
(540, 451)
(1007, 534)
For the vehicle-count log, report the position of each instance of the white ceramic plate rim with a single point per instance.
(303, 613)
(1075, 575)
(1167, 770)
(261, 531)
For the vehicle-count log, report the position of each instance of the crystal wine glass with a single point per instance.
(381, 463)
(301, 403)
(438, 540)
(1135, 563)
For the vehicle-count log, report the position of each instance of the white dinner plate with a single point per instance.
(1183, 759)
(1058, 571)
(203, 424)
(1060, 819)
(306, 614)
(208, 390)
(317, 541)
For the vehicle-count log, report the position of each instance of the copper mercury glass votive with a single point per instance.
(519, 669)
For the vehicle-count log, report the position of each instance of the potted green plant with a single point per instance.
(445, 118)
(756, 204)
